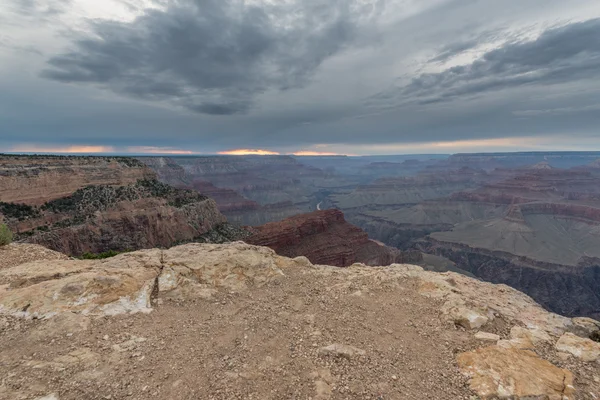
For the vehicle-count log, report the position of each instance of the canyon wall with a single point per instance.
(79, 205)
(324, 237)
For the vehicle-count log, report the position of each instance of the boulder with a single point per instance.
(584, 349)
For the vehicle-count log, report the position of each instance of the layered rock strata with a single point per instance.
(324, 237)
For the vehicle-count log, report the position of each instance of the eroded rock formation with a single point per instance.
(324, 237)
(79, 205)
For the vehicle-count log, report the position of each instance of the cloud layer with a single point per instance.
(298, 75)
(213, 56)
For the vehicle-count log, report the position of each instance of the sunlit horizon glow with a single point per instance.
(507, 144)
(248, 152)
(75, 149)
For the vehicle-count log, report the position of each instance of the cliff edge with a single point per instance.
(238, 321)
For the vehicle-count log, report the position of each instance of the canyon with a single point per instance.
(514, 218)
(529, 220)
(535, 228)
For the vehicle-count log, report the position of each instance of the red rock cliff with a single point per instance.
(324, 237)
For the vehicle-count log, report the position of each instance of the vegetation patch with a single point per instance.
(223, 233)
(101, 256)
(6, 235)
(18, 211)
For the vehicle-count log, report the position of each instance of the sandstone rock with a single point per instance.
(489, 299)
(468, 318)
(235, 266)
(584, 349)
(521, 343)
(529, 338)
(342, 351)
(496, 372)
(122, 284)
(127, 283)
(323, 390)
(488, 337)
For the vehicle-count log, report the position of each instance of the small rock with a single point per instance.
(488, 337)
(341, 350)
(467, 318)
(52, 396)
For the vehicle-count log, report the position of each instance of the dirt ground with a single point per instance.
(262, 343)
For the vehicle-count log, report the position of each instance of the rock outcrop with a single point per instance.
(324, 237)
(410, 351)
(128, 283)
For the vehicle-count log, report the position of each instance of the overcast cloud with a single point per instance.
(352, 76)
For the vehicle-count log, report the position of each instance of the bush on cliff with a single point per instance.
(6, 235)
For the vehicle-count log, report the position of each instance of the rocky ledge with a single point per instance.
(250, 323)
(324, 237)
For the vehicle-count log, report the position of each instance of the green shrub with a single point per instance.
(101, 256)
(6, 235)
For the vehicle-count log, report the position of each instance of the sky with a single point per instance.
(299, 76)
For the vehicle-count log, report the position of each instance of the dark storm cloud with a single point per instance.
(566, 54)
(213, 56)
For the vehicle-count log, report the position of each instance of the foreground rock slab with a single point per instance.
(509, 373)
(129, 282)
